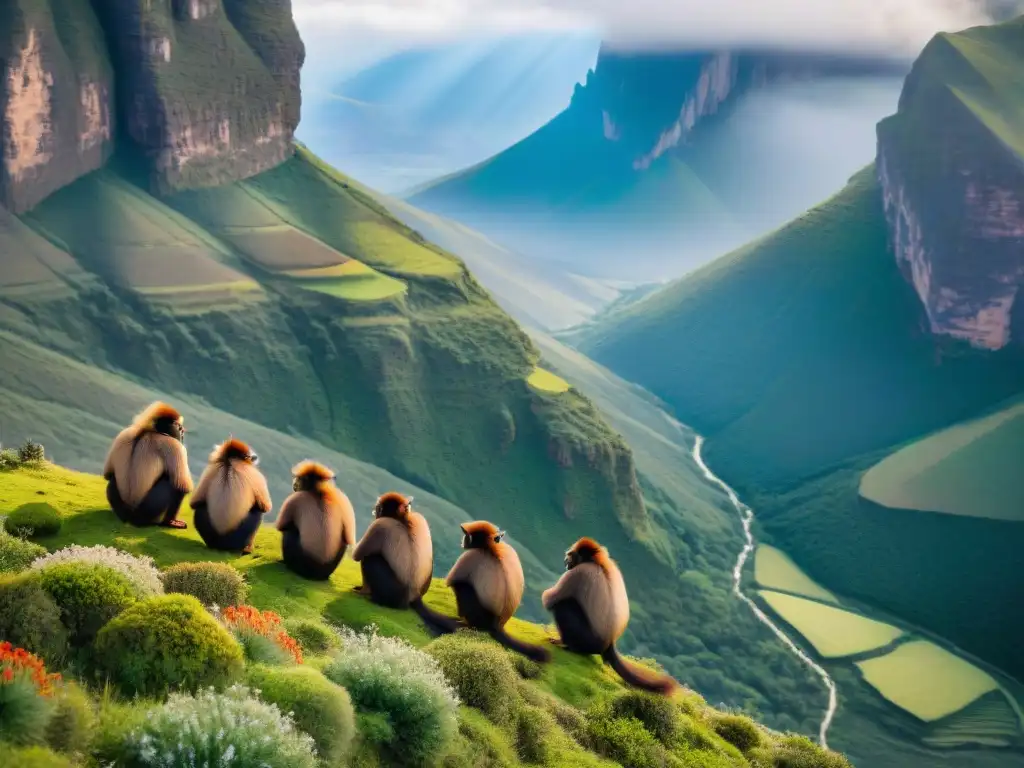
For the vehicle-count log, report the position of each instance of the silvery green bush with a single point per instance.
(140, 571)
(234, 728)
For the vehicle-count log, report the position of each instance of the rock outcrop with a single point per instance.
(951, 165)
(208, 90)
(56, 100)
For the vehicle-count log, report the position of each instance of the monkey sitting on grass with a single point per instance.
(231, 498)
(147, 469)
(396, 556)
(317, 523)
(488, 583)
(591, 610)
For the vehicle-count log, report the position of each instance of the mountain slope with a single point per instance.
(429, 111)
(637, 163)
(807, 358)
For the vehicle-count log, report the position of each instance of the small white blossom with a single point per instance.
(138, 570)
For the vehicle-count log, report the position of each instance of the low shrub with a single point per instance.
(211, 583)
(166, 643)
(72, 720)
(658, 713)
(801, 752)
(737, 730)
(320, 708)
(88, 596)
(26, 696)
(33, 520)
(535, 730)
(31, 757)
(9, 459)
(115, 722)
(29, 618)
(139, 570)
(389, 677)
(528, 669)
(313, 636)
(16, 554)
(482, 674)
(31, 453)
(626, 741)
(263, 638)
(218, 729)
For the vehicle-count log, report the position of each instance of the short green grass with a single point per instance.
(832, 631)
(773, 569)
(970, 469)
(545, 381)
(927, 681)
(370, 285)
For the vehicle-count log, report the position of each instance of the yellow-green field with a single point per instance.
(833, 632)
(282, 248)
(357, 284)
(545, 381)
(927, 681)
(774, 570)
(971, 469)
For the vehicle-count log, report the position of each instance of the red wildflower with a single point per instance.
(246, 618)
(18, 661)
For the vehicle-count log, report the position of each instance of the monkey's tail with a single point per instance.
(436, 622)
(530, 651)
(636, 676)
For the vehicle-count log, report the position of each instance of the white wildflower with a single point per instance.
(139, 570)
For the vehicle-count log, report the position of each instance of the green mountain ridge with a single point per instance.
(828, 384)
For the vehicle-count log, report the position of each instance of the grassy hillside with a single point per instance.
(575, 704)
(804, 358)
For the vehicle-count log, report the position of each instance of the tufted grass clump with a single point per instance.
(210, 728)
(139, 570)
(34, 520)
(315, 637)
(31, 757)
(211, 583)
(797, 752)
(416, 707)
(88, 595)
(738, 730)
(167, 643)
(30, 619)
(482, 673)
(72, 720)
(24, 713)
(658, 714)
(16, 554)
(320, 708)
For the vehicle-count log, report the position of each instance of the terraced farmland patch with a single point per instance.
(353, 281)
(990, 721)
(29, 263)
(833, 632)
(773, 569)
(970, 469)
(134, 241)
(545, 381)
(927, 681)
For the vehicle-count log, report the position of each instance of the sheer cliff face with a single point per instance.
(653, 103)
(951, 164)
(56, 100)
(208, 90)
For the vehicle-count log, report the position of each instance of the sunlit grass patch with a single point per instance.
(773, 569)
(927, 681)
(832, 631)
(545, 381)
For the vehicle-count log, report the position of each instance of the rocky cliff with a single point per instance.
(56, 100)
(951, 165)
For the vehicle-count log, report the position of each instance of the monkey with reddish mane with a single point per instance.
(591, 610)
(231, 498)
(317, 523)
(396, 556)
(488, 582)
(147, 469)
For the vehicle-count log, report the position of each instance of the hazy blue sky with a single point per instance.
(354, 27)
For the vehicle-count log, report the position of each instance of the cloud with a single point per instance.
(891, 26)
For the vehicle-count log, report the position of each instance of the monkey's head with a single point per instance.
(393, 505)
(585, 550)
(480, 535)
(310, 476)
(232, 449)
(163, 419)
